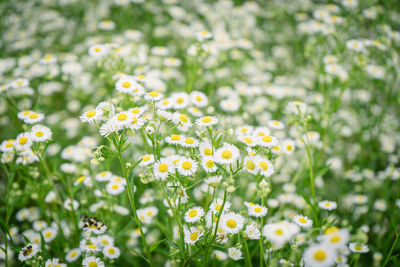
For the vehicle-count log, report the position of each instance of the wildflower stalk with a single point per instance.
(131, 198)
(247, 252)
(391, 249)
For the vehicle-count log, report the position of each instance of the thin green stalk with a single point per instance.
(391, 249)
(247, 252)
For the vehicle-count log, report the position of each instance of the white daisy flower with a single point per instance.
(7, 145)
(192, 235)
(89, 245)
(147, 160)
(55, 262)
(34, 117)
(250, 164)
(257, 210)
(111, 252)
(252, 232)
(40, 133)
(135, 123)
(208, 164)
(49, 234)
(127, 84)
(92, 115)
(92, 261)
(23, 141)
(104, 176)
(277, 125)
(146, 215)
(198, 99)
(162, 169)
(336, 239)
(189, 142)
(231, 222)
(175, 139)
(302, 221)
(195, 112)
(114, 188)
(105, 240)
(180, 100)
(288, 146)
(182, 120)
(99, 50)
(73, 255)
(166, 103)
(122, 119)
(153, 96)
(235, 254)
(319, 255)
(207, 121)
(358, 248)
(216, 206)
(138, 111)
(187, 167)
(203, 35)
(205, 149)
(265, 166)
(281, 232)
(248, 140)
(194, 214)
(327, 205)
(28, 252)
(227, 154)
(267, 141)
(244, 130)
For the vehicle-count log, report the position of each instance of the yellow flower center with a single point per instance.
(217, 207)
(207, 151)
(250, 165)
(135, 111)
(111, 251)
(206, 119)
(198, 98)
(114, 186)
(231, 223)
(257, 209)
(153, 94)
(263, 165)
(81, 179)
(39, 133)
(163, 167)
(122, 117)
(175, 137)
(180, 100)
(126, 84)
(189, 141)
(302, 220)
(278, 232)
(146, 158)
(267, 138)
(23, 140)
(183, 118)
(248, 140)
(91, 246)
(73, 254)
(210, 163)
(331, 230)
(90, 113)
(194, 236)
(289, 147)
(226, 154)
(33, 116)
(320, 255)
(8, 145)
(187, 165)
(335, 239)
(97, 49)
(26, 112)
(48, 234)
(192, 213)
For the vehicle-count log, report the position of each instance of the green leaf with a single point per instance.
(323, 170)
(155, 245)
(172, 244)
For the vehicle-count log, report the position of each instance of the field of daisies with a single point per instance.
(199, 133)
